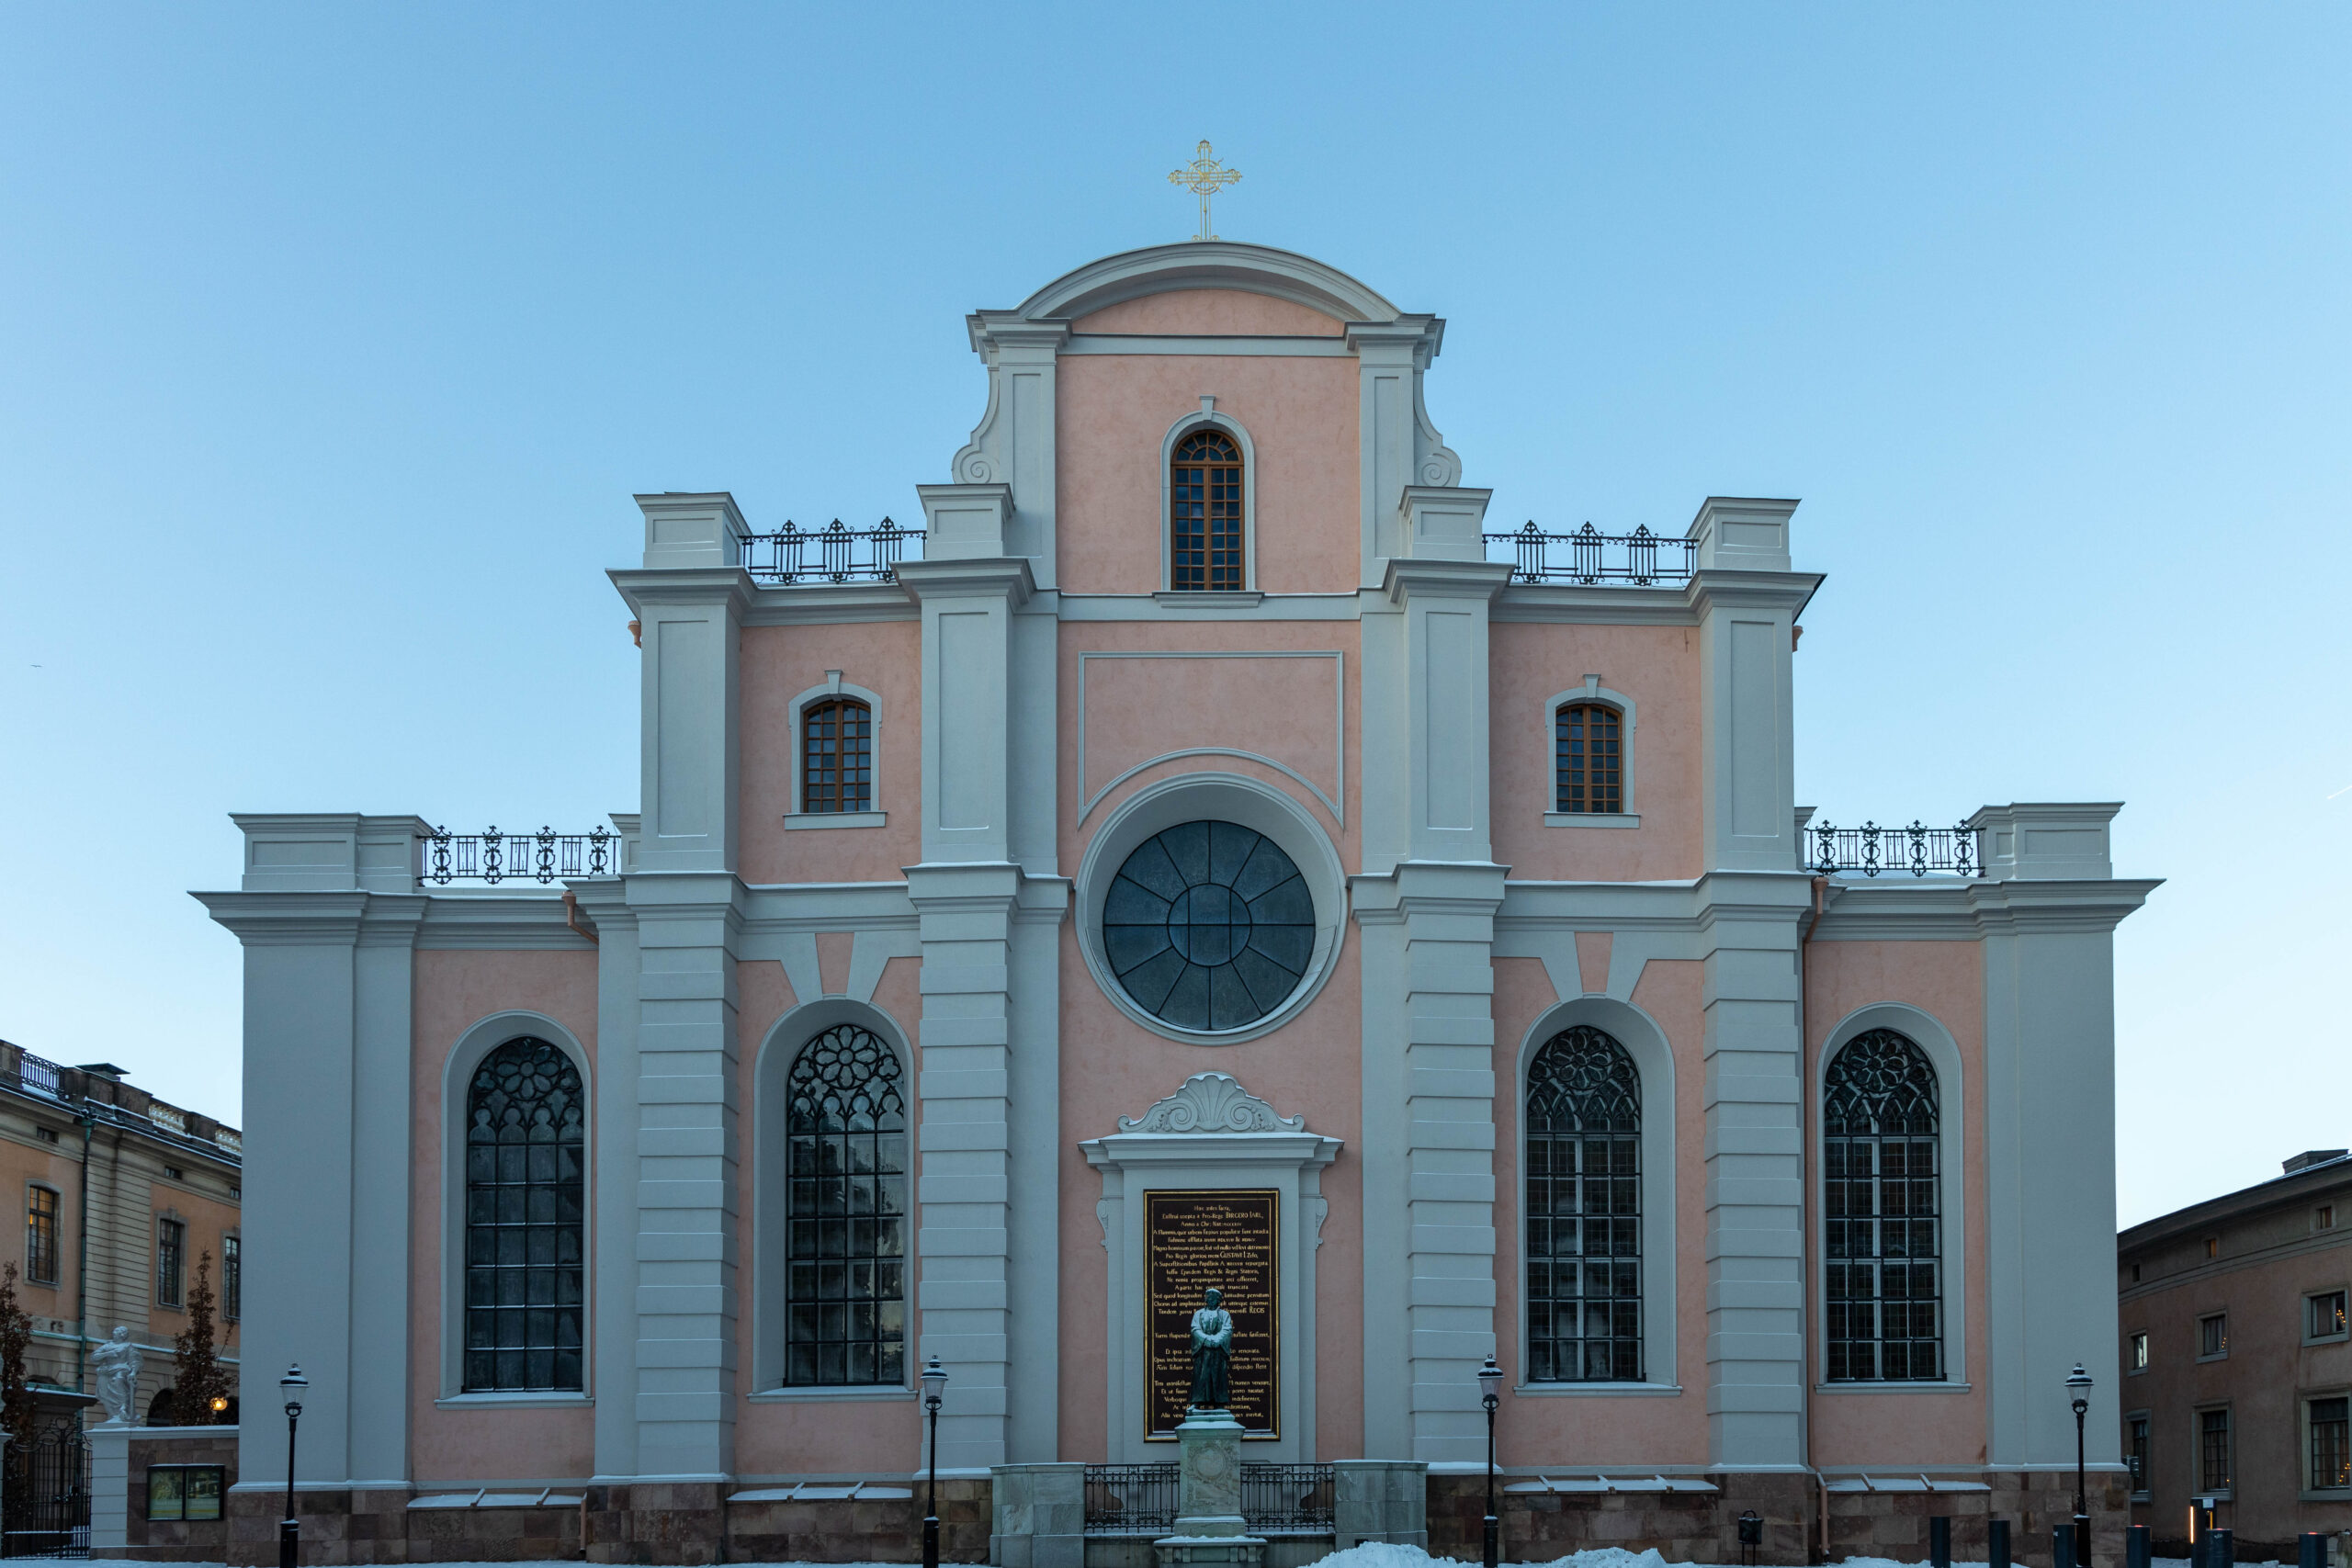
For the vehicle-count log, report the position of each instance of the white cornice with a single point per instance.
(642, 586)
(1008, 575)
(1199, 264)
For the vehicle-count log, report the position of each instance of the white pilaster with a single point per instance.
(1752, 1106)
(688, 1167)
(2048, 914)
(328, 915)
(1749, 602)
(613, 1300)
(1013, 445)
(1396, 443)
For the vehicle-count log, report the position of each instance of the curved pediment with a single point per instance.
(1210, 265)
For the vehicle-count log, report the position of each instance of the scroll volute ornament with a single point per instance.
(1211, 1103)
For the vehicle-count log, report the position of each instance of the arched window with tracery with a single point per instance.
(837, 755)
(845, 1285)
(1882, 1211)
(1205, 550)
(526, 1204)
(1584, 1210)
(1588, 758)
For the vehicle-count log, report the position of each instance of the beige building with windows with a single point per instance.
(2237, 1360)
(122, 1195)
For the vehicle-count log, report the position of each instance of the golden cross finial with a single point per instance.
(1204, 176)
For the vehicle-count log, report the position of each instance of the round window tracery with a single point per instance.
(1209, 926)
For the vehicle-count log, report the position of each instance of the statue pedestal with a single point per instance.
(1209, 1528)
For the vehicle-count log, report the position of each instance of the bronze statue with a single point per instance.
(1212, 1355)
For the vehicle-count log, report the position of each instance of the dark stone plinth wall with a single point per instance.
(178, 1540)
(1798, 1529)
(650, 1523)
(1894, 1524)
(1684, 1527)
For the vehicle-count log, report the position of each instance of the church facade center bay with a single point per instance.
(1205, 854)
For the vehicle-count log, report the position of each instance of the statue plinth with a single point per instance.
(1209, 1527)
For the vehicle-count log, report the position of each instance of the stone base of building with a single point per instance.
(1884, 1522)
(652, 1523)
(1683, 1526)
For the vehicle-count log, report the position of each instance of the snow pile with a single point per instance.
(1381, 1555)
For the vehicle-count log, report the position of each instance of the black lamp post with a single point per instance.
(1490, 1378)
(290, 1529)
(2078, 1383)
(934, 1383)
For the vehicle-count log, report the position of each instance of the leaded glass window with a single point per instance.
(525, 1203)
(837, 756)
(1204, 513)
(845, 1286)
(1209, 926)
(1882, 1212)
(1584, 1210)
(1588, 759)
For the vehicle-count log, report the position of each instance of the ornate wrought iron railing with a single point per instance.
(544, 856)
(1590, 558)
(1871, 849)
(1293, 1499)
(1141, 1499)
(1130, 1499)
(795, 558)
(37, 1073)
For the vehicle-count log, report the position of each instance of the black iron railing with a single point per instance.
(544, 856)
(1294, 1499)
(797, 558)
(37, 1074)
(1130, 1499)
(1141, 1499)
(1590, 558)
(1870, 849)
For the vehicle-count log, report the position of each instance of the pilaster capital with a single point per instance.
(1414, 578)
(1443, 522)
(289, 919)
(651, 587)
(963, 522)
(1003, 577)
(1412, 340)
(1000, 336)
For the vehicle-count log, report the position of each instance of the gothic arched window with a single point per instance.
(1584, 1210)
(525, 1203)
(1881, 1212)
(837, 756)
(846, 1284)
(1588, 759)
(1204, 513)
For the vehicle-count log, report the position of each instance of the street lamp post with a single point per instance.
(935, 1382)
(1490, 1378)
(2078, 1383)
(290, 1529)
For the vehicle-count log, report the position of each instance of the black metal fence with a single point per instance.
(1141, 1499)
(544, 856)
(1287, 1499)
(796, 559)
(1130, 1499)
(1590, 558)
(1871, 849)
(45, 1494)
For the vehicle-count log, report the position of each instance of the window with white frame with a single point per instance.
(526, 1212)
(1882, 1208)
(1584, 1210)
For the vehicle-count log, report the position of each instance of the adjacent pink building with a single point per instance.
(1206, 851)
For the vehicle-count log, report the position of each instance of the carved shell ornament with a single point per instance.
(1211, 1103)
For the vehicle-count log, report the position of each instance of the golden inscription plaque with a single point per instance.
(1192, 1241)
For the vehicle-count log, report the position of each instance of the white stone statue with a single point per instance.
(116, 1365)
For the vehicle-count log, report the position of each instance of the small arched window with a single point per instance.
(525, 1203)
(1881, 1212)
(837, 756)
(846, 1283)
(1584, 1210)
(1588, 758)
(1204, 549)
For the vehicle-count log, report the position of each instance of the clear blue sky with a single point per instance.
(334, 340)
